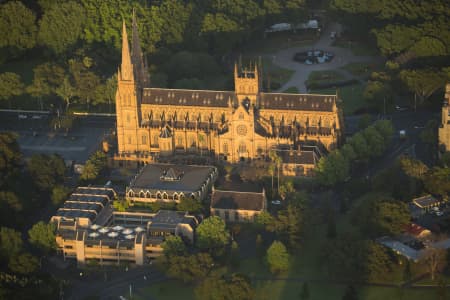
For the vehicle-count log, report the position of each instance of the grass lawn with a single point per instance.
(281, 289)
(361, 69)
(166, 290)
(323, 77)
(292, 90)
(278, 76)
(357, 48)
(352, 97)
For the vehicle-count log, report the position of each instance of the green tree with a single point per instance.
(277, 257)
(236, 287)
(190, 205)
(212, 234)
(174, 246)
(361, 146)
(17, 26)
(24, 263)
(437, 181)
(381, 215)
(286, 188)
(66, 91)
(277, 162)
(46, 171)
(94, 167)
(59, 194)
(423, 83)
(42, 235)
(377, 94)
(375, 141)
(189, 268)
(10, 159)
(10, 243)
(61, 26)
(333, 168)
(10, 86)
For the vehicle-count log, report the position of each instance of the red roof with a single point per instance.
(414, 229)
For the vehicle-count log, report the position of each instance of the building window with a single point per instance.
(236, 216)
(225, 148)
(180, 141)
(155, 139)
(144, 140)
(128, 118)
(241, 116)
(242, 148)
(129, 139)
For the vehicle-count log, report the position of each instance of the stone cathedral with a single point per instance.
(231, 125)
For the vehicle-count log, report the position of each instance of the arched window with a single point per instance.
(180, 141)
(155, 139)
(148, 195)
(141, 195)
(130, 194)
(158, 195)
(225, 148)
(181, 196)
(175, 196)
(165, 196)
(242, 148)
(144, 139)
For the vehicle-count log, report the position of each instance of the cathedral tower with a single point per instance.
(128, 95)
(247, 84)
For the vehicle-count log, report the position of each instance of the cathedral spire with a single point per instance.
(127, 67)
(136, 53)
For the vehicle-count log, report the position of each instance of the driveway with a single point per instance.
(343, 56)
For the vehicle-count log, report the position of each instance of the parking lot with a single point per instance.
(36, 136)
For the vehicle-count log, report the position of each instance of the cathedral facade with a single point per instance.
(231, 125)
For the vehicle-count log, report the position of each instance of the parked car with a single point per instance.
(22, 117)
(276, 202)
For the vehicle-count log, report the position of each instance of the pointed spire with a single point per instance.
(235, 70)
(127, 68)
(137, 56)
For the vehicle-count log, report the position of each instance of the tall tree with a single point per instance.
(17, 26)
(46, 171)
(42, 235)
(212, 234)
(423, 82)
(174, 246)
(277, 257)
(10, 86)
(61, 26)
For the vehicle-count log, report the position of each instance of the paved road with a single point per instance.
(36, 136)
(118, 282)
(343, 56)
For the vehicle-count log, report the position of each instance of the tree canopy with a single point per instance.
(212, 234)
(277, 257)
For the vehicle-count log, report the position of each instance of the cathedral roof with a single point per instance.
(308, 102)
(178, 97)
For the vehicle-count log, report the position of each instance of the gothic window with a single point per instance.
(155, 139)
(225, 148)
(242, 148)
(129, 139)
(144, 140)
(180, 141)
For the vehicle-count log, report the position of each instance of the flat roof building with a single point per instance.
(86, 206)
(167, 182)
(131, 236)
